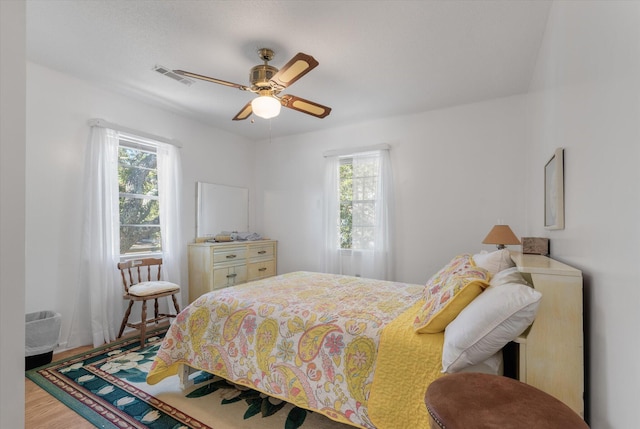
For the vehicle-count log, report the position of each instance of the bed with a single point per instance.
(359, 351)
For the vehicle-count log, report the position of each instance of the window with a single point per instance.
(358, 187)
(132, 192)
(358, 214)
(139, 200)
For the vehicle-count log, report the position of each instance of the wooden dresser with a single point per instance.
(551, 351)
(218, 265)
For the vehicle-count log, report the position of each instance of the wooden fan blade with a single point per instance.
(297, 67)
(305, 106)
(244, 113)
(211, 79)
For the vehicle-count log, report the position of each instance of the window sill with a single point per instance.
(129, 257)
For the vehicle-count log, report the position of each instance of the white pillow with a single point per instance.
(494, 262)
(494, 365)
(510, 275)
(498, 315)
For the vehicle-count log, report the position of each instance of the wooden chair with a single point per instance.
(141, 281)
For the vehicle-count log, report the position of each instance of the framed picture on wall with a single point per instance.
(554, 191)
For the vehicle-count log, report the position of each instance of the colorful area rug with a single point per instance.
(107, 387)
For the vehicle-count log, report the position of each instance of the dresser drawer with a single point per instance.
(229, 254)
(229, 276)
(264, 251)
(258, 270)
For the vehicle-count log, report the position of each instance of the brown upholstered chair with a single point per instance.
(141, 281)
(483, 401)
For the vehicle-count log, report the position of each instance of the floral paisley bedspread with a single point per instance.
(308, 338)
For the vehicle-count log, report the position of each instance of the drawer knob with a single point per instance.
(262, 269)
(230, 276)
(231, 256)
(262, 252)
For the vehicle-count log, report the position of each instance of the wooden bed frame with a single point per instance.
(551, 351)
(549, 355)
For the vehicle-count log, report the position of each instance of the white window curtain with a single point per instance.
(376, 259)
(169, 186)
(332, 260)
(98, 298)
(98, 308)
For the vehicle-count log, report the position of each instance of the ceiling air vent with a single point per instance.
(169, 73)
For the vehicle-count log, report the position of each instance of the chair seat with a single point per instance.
(152, 288)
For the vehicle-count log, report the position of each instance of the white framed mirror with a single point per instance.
(221, 208)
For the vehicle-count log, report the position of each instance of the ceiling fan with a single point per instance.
(267, 81)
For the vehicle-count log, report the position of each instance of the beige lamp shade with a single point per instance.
(501, 235)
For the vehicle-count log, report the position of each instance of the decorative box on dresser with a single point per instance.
(551, 351)
(218, 265)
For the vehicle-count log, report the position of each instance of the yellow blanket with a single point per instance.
(407, 363)
(308, 338)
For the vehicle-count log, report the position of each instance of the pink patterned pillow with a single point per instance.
(449, 291)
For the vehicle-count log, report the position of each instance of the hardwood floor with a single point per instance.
(44, 411)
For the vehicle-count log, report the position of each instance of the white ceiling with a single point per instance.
(377, 58)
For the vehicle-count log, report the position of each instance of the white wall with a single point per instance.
(12, 210)
(456, 172)
(58, 107)
(586, 98)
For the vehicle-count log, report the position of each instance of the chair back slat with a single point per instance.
(132, 274)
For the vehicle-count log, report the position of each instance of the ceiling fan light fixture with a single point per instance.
(267, 82)
(266, 106)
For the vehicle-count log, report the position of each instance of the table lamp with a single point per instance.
(501, 235)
